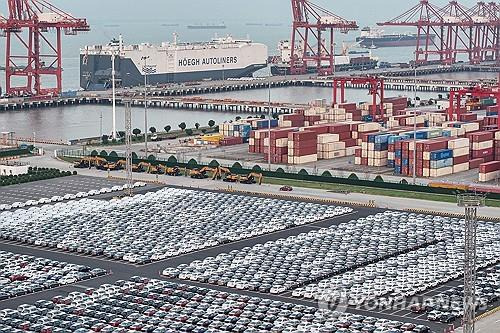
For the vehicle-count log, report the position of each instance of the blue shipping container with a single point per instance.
(381, 146)
(438, 164)
(382, 138)
(398, 153)
(441, 154)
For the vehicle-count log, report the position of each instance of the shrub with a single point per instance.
(103, 153)
(257, 168)
(237, 165)
(326, 174)
(213, 164)
(94, 153)
(151, 158)
(113, 154)
(192, 164)
(280, 170)
(303, 172)
(378, 179)
(353, 176)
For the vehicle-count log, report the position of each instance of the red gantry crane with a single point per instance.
(313, 37)
(428, 21)
(25, 30)
(486, 32)
(375, 87)
(456, 97)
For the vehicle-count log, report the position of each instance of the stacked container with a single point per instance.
(497, 145)
(489, 171)
(302, 147)
(482, 145)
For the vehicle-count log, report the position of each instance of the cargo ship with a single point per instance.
(170, 62)
(375, 38)
(343, 62)
(206, 26)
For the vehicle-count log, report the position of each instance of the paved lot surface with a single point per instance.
(53, 187)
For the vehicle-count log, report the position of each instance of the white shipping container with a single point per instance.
(391, 155)
(482, 145)
(281, 143)
(497, 135)
(357, 160)
(458, 143)
(364, 153)
(441, 172)
(381, 154)
(251, 142)
(461, 167)
(486, 177)
(470, 127)
(326, 155)
(331, 146)
(350, 151)
(460, 151)
(327, 138)
(303, 159)
(427, 172)
(366, 127)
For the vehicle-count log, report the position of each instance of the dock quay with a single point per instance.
(175, 96)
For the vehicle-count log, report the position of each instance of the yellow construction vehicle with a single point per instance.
(226, 175)
(251, 178)
(174, 171)
(85, 162)
(201, 173)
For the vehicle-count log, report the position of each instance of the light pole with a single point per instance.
(415, 127)
(145, 70)
(269, 124)
(113, 84)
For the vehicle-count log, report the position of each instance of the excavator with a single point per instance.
(85, 162)
(147, 167)
(201, 173)
(122, 164)
(174, 171)
(226, 175)
(251, 178)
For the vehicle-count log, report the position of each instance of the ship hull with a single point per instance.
(368, 42)
(95, 73)
(284, 69)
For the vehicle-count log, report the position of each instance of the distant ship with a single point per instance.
(374, 38)
(343, 62)
(169, 62)
(206, 26)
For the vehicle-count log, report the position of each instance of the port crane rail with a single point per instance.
(30, 55)
(456, 97)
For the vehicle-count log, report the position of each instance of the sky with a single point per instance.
(364, 11)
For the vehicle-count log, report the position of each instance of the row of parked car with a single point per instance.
(24, 274)
(144, 305)
(447, 306)
(157, 225)
(69, 196)
(412, 273)
(289, 263)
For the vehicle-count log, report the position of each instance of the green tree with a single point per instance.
(379, 179)
(182, 126)
(103, 153)
(151, 158)
(326, 174)
(280, 170)
(257, 168)
(237, 165)
(262, 116)
(152, 129)
(238, 118)
(192, 164)
(105, 139)
(113, 154)
(211, 123)
(167, 128)
(203, 130)
(172, 159)
(197, 125)
(189, 131)
(136, 132)
(94, 153)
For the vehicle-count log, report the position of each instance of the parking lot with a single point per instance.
(283, 226)
(53, 187)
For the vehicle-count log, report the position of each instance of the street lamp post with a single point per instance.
(145, 70)
(415, 128)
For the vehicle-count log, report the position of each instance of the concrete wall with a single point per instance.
(6, 170)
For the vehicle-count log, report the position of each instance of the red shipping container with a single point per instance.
(357, 152)
(303, 151)
(467, 117)
(350, 142)
(339, 128)
(304, 144)
(489, 158)
(489, 167)
(426, 164)
(279, 150)
(251, 148)
(480, 136)
(347, 106)
(281, 133)
(460, 159)
(482, 153)
(399, 145)
(405, 154)
(364, 160)
(303, 136)
(474, 164)
(391, 147)
(318, 129)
